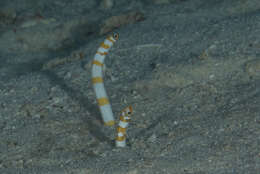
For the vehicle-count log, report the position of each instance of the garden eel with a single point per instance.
(123, 123)
(97, 79)
(101, 95)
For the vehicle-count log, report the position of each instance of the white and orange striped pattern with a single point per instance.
(97, 79)
(124, 120)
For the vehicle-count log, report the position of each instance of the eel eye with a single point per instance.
(115, 36)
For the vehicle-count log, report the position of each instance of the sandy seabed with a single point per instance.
(189, 68)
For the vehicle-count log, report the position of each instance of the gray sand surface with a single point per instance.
(189, 68)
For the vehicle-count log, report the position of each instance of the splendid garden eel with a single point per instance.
(98, 82)
(124, 118)
(101, 95)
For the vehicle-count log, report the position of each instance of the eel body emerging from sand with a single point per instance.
(97, 79)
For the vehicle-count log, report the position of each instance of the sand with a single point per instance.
(189, 68)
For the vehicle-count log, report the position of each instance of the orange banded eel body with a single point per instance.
(97, 79)
(124, 119)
